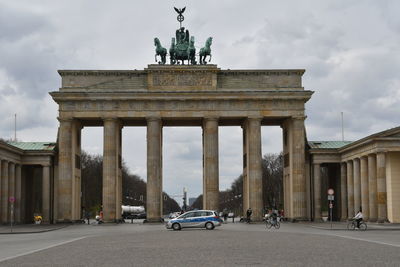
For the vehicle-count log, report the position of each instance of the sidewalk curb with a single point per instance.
(324, 228)
(34, 232)
(385, 228)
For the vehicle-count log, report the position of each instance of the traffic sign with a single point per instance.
(331, 197)
(330, 191)
(11, 199)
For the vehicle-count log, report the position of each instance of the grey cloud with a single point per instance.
(349, 50)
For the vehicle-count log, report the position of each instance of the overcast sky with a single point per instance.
(350, 50)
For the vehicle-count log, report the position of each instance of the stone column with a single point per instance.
(357, 185)
(110, 169)
(364, 187)
(46, 193)
(298, 169)
(245, 193)
(286, 169)
(372, 186)
(55, 194)
(210, 166)
(18, 196)
(343, 191)
(4, 192)
(381, 186)
(1, 192)
(119, 174)
(254, 166)
(317, 192)
(65, 173)
(76, 170)
(11, 188)
(154, 167)
(350, 189)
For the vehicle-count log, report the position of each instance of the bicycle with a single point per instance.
(352, 225)
(271, 222)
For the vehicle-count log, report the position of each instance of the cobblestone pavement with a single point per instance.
(294, 244)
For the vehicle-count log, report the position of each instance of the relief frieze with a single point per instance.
(188, 79)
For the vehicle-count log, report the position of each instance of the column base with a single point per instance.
(154, 221)
(299, 219)
(64, 221)
(382, 221)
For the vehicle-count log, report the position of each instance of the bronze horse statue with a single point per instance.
(160, 51)
(205, 51)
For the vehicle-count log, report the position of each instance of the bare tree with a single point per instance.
(272, 184)
(133, 187)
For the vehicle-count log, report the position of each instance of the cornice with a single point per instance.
(282, 72)
(10, 148)
(172, 69)
(101, 72)
(182, 95)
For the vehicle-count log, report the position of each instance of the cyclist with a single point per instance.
(274, 215)
(358, 218)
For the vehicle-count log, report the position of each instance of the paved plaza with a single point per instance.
(238, 244)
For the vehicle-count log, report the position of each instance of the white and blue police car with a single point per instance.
(197, 218)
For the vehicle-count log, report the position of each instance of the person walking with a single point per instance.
(87, 215)
(225, 215)
(248, 215)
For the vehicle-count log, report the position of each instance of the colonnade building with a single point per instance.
(27, 180)
(207, 97)
(365, 175)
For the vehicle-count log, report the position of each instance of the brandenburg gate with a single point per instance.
(197, 94)
(180, 95)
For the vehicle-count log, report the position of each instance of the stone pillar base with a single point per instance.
(65, 221)
(154, 221)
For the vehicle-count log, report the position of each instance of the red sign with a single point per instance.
(330, 191)
(11, 199)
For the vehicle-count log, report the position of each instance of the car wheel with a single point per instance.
(209, 226)
(176, 226)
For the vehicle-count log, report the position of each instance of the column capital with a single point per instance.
(65, 119)
(112, 119)
(211, 118)
(109, 118)
(153, 118)
(255, 118)
(299, 117)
